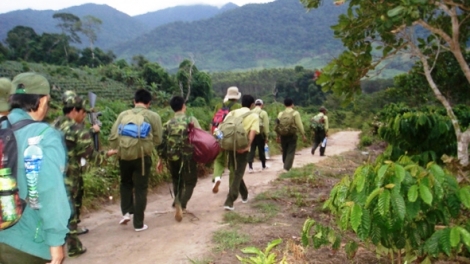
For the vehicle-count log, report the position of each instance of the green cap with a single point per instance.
(5, 91)
(71, 99)
(30, 83)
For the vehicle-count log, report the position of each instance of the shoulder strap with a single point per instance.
(229, 106)
(22, 123)
(246, 114)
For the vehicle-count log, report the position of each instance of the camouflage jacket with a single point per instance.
(79, 144)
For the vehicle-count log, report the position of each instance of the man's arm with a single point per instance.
(195, 122)
(298, 123)
(113, 134)
(265, 118)
(157, 129)
(57, 254)
(327, 126)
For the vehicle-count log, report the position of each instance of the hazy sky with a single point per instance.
(130, 7)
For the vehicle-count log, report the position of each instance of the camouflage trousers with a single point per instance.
(74, 245)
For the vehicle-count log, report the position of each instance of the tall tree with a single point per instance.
(69, 24)
(373, 31)
(90, 26)
(22, 42)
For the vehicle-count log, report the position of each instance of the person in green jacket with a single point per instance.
(289, 142)
(135, 161)
(231, 103)
(182, 167)
(260, 139)
(39, 235)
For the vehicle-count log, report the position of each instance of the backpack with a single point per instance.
(285, 125)
(133, 130)
(234, 135)
(317, 123)
(11, 205)
(175, 141)
(220, 115)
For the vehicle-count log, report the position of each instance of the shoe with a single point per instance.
(246, 199)
(82, 231)
(265, 168)
(215, 186)
(312, 151)
(125, 219)
(229, 208)
(250, 170)
(178, 213)
(145, 227)
(76, 253)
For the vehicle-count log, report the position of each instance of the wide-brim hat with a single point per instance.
(5, 91)
(233, 93)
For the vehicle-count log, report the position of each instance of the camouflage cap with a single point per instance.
(5, 91)
(30, 83)
(71, 99)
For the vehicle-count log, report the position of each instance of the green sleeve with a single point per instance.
(298, 123)
(113, 135)
(195, 122)
(157, 130)
(265, 118)
(327, 126)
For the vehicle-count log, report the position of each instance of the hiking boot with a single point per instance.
(245, 200)
(125, 219)
(178, 213)
(145, 227)
(76, 253)
(229, 208)
(82, 231)
(312, 151)
(250, 170)
(215, 186)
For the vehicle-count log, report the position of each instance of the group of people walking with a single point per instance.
(67, 146)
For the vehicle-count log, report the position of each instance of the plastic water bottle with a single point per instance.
(323, 144)
(266, 151)
(8, 200)
(32, 162)
(218, 134)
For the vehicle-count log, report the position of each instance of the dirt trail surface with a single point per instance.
(167, 241)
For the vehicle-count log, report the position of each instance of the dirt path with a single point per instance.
(167, 241)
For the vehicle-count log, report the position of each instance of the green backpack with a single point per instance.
(133, 131)
(175, 141)
(234, 135)
(317, 123)
(285, 125)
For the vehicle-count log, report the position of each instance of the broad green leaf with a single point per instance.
(356, 217)
(384, 202)
(427, 260)
(444, 241)
(437, 172)
(381, 175)
(425, 194)
(344, 218)
(465, 235)
(400, 172)
(398, 204)
(413, 193)
(251, 250)
(454, 236)
(372, 195)
(464, 194)
(272, 244)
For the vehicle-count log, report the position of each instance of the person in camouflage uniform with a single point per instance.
(79, 142)
(177, 152)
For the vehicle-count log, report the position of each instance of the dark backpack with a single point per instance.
(317, 123)
(11, 206)
(175, 141)
(220, 115)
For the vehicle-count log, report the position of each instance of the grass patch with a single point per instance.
(268, 209)
(274, 195)
(201, 261)
(229, 239)
(306, 171)
(235, 218)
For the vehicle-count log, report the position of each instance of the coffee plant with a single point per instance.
(406, 210)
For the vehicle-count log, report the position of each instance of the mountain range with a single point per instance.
(276, 34)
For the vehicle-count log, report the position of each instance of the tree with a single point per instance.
(69, 24)
(90, 26)
(22, 42)
(375, 31)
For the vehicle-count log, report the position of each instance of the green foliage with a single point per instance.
(397, 206)
(262, 257)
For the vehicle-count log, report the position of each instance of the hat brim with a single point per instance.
(234, 96)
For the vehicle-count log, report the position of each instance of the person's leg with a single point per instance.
(290, 152)
(74, 245)
(284, 141)
(219, 164)
(322, 137)
(190, 180)
(12, 255)
(127, 185)
(141, 188)
(79, 197)
(239, 171)
(260, 144)
(251, 154)
(174, 169)
(316, 142)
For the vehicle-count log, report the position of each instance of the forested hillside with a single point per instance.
(276, 34)
(116, 27)
(181, 13)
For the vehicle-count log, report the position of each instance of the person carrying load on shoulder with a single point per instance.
(79, 142)
(135, 134)
(230, 103)
(238, 130)
(288, 123)
(319, 125)
(39, 235)
(176, 152)
(260, 139)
